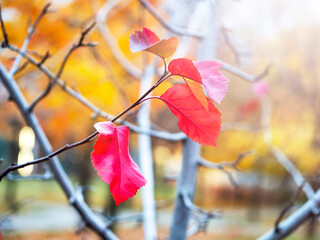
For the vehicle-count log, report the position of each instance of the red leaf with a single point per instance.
(214, 83)
(141, 40)
(113, 163)
(195, 121)
(185, 68)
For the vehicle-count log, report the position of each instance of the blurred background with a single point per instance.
(277, 38)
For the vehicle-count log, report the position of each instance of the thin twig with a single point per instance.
(112, 43)
(223, 165)
(25, 44)
(45, 57)
(189, 204)
(288, 207)
(244, 75)
(74, 47)
(63, 64)
(4, 32)
(14, 166)
(233, 48)
(159, 134)
(22, 67)
(174, 29)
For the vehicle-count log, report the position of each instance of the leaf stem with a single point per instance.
(164, 76)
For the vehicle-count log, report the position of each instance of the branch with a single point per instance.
(229, 43)
(82, 208)
(63, 64)
(112, 43)
(4, 32)
(170, 27)
(278, 153)
(202, 217)
(189, 204)
(288, 207)
(290, 224)
(244, 75)
(42, 177)
(223, 165)
(15, 166)
(159, 134)
(25, 44)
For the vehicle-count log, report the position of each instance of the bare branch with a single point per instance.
(223, 165)
(244, 75)
(82, 208)
(288, 207)
(296, 219)
(74, 47)
(112, 43)
(230, 44)
(45, 57)
(189, 204)
(52, 81)
(4, 32)
(278, 154)
(42, 177)
(202, 217)
(22, 67)
(170, 27)
(15, 166)
(159, 134)
(25, 44)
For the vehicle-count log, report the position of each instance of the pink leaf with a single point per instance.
(201, 125)
(260, 88)
(113, 162)
(215, 83)
(141, 40)
(185, 68)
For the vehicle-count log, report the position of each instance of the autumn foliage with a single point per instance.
(198, 118)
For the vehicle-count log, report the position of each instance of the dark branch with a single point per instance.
(45, 57)
(59, 73)
(44, 11)
(22, 67)
(160, 134)
(74, 47)
(15, 166)
(4, 32)
(288, 207)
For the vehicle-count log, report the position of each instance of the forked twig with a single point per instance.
(223, 165)
(63, 64)
(288, 207)
(25, 44)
